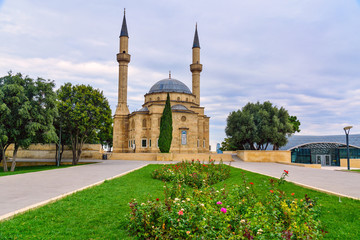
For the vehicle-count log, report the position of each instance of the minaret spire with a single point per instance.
(124, 31)
(196, 67)
(196, 43)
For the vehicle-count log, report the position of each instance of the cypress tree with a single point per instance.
(166, 128)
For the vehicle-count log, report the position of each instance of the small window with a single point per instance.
(203, 143)
(187, 99)
(144, 143)
(158, 98)
(150, 99)
(129, 143)
(144, 123)
(149, 142)
(198, 143)
(178, 98)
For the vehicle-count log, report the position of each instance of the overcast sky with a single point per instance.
(303, 55)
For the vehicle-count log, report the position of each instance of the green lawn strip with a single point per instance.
(28, 169)
(356, 170)
(101, 212)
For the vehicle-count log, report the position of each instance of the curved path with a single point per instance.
(341, 183)
(19, 193)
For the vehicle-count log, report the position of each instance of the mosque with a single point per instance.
(139, 131)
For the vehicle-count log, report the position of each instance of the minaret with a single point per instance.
(123, 58)
(121, 118)
(196, 67)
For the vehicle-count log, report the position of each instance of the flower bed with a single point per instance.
(194, 174)
(229, 213)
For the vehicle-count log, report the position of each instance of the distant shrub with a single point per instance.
(194, 173)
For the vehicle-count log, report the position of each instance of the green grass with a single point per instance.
(21, 170)
(356, 170)
(100, 212)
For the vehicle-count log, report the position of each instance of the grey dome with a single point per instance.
(169, 85)
(179, 107)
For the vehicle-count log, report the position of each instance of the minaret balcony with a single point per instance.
(196, 67)
(123, 57)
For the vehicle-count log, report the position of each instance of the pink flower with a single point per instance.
(219, 203)
(223, 210)
(181, 212)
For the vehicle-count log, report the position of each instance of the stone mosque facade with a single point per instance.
(139, 131)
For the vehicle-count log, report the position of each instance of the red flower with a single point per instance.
(204, 165)
(287, 172)
(292, 194)
(157, 199)
(181, 212)
(251, 183)
(271, 191)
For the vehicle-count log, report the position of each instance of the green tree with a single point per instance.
(227, 145)
(28, 109)
(166, 128)
(258, 125)
(295, 123)
(85, 115)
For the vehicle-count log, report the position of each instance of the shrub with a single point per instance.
(194, 174)
(228, 213)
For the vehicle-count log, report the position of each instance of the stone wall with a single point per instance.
(264, 156)
(355, 163)
(170, 156)
(48, 151)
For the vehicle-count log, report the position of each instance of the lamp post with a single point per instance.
(347, 130)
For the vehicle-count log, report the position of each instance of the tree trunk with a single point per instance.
(56, 153)
(62, 151)
(3, 159)
(13, 162)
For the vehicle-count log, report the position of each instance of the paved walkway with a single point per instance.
(25, 191)
(336, 182)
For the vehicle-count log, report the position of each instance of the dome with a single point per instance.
(179, 107)
(169, 85)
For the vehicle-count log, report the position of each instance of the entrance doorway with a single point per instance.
(324, 160)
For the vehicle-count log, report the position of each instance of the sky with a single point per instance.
(303, 55)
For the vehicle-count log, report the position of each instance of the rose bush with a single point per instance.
(229, 213)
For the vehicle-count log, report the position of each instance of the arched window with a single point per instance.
(158, 98)
(178, 98)
(144, 123)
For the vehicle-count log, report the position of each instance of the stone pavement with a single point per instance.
(340, 183)
(19, 193)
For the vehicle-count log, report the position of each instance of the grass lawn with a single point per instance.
(20, 170)
(100, 212)
(356, 170)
